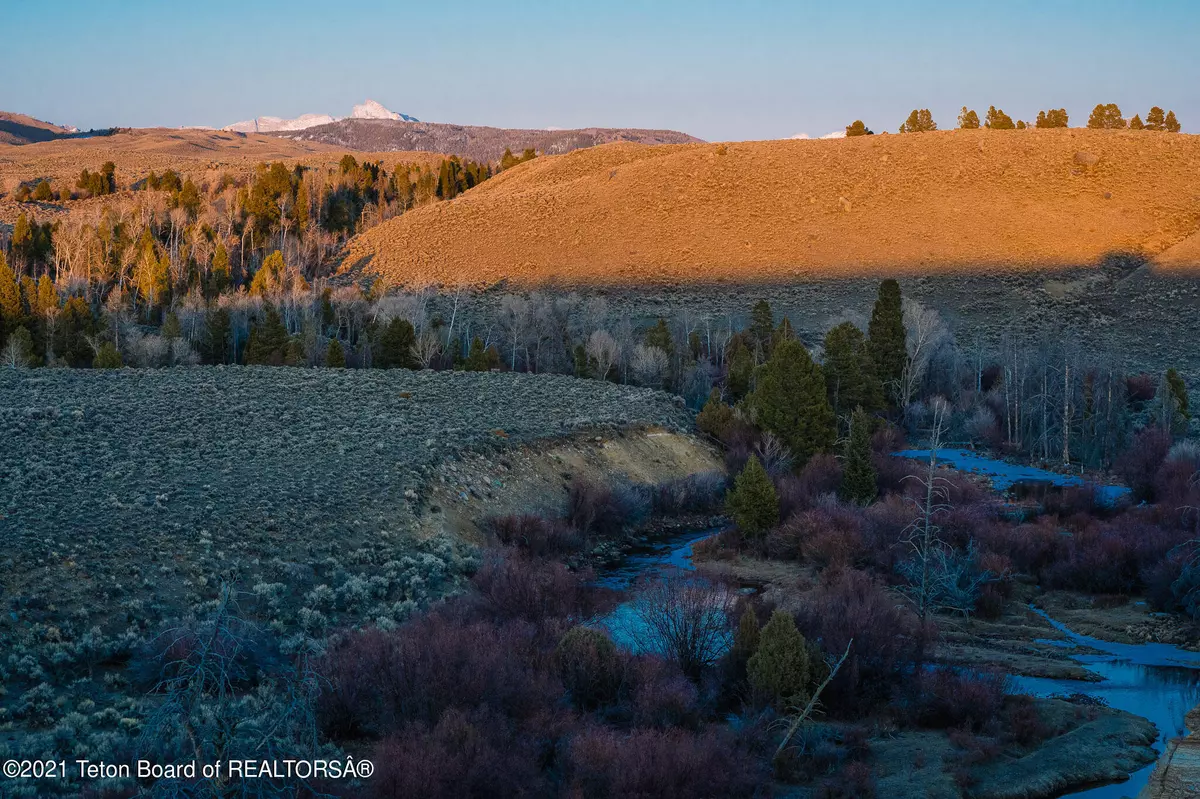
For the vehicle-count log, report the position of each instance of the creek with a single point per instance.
(1159, 682)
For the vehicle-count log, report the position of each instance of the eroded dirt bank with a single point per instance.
(1177, 775)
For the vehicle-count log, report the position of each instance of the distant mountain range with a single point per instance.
(371, 127)
(368, 110)
(469, 141)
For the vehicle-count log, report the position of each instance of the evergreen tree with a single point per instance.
(850, 378)
(107, 357)
(1057, 118)
(271, 277)
(71, 330)
(919, 121)
(887, 337)
(47, 296)
(968, 119)
(857, 128)
(29, 296)
(42, 192)
(396, 346)
(1156, 119)
(189, 199)
(858, 473)
(741, 371)
(10, 296)
(268, 340)
(580, 358)
(660, 336)
(781, 670)
(477, 360)
(1022, 124)
(1171, 124)
(789, 400)
(1136, 123)
(171, 328)
(293, 353)
(22, 238)
(1179, 393)
(998, 120)
(335, 355)
(219, 276)
(715, 417)
(216, 343)
(151, 274)
(1106, 117)
(745, 638)
(752, 502)
(762, 328)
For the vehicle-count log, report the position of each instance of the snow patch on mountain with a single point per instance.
(368, 110)
(373, 110)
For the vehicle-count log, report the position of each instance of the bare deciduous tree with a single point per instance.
(683, 617)
(602, 349)
(427, 347)
(649, 365)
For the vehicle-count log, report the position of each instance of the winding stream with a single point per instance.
(1159, 682)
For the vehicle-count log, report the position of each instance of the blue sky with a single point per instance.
(721, 71)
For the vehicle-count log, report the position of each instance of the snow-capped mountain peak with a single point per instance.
(373, 110)
(368, 110)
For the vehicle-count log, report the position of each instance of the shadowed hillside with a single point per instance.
(22, 129)
(908, 204)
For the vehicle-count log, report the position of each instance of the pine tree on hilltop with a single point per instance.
(1136, 123)
(998, 120)
(919, 121)
(850, 376)
(1106, 117)
(1156, 119)
(887, 337)
(1054, 118)
(790, 401)
(1171, 124)
(968, 119)
(858, 473)
(752, 502)
(857, 128)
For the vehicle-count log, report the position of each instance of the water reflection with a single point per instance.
(1159, 682)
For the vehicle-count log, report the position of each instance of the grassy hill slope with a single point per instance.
(906, 204)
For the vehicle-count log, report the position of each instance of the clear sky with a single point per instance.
(733, 70)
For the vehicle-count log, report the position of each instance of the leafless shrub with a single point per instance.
(684, 617)
(649, 365)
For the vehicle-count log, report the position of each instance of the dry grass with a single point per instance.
(950, 201)
(199, 154)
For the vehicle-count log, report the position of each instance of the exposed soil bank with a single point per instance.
(1177, 775)
(462, 493)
